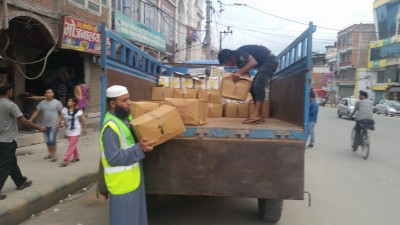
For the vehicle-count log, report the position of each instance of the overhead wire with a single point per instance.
(3, 54)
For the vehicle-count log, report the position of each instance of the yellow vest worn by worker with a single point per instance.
(119, 179)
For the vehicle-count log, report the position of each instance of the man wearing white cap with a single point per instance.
(121, 158)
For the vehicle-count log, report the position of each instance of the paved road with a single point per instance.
(345, 188)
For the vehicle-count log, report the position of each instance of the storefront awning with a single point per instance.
(379, 87)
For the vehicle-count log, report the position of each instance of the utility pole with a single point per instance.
(208, 29)
(220, 37)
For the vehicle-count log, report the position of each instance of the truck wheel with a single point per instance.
(270, 210)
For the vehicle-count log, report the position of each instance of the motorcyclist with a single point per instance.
(364, 109)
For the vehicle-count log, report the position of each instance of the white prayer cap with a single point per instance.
(115, 91)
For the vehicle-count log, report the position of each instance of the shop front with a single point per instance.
(37, 56)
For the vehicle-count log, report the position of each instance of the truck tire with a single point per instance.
(270, 210)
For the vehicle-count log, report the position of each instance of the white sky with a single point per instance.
(250, 26)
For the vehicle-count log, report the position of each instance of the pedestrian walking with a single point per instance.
(312, 119)
(246, 58)
(81, 92)
(73, 120)
(9, 115)
(50, 110)
(121, 157)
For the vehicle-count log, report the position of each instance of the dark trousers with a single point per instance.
(8, 164)
(357, 135)
(262, 78)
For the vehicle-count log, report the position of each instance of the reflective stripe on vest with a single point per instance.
(119, 179)
(116, 169)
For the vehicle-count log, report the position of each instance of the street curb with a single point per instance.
(21, 209)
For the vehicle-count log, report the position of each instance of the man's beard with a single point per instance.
(121, 112)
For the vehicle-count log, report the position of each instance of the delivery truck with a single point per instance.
(225, 157)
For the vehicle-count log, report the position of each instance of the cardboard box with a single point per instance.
(160, 93)
(185, 93)
(160, 103)
(213, 83)
(238, 90)
(160, 125)
(214, 110)
(192, 111)
(265, 108)
(200, 84)
(163, 81)
(175, 82)
(140, 108)
(236, 110)
(212, 96)
(187, 82)
(217, 71)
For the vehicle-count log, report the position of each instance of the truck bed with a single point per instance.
(228, 158)
(234, 128)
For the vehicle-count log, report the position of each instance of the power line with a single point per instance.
(282, 18)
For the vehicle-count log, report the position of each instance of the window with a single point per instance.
(80, 2)
(381, 76)
(390, 74)
(92, 5)
(397, 80)
(117, 5)
(349, 38)
(387, 17)
(135, 10)
(150, 14)
(104, 2)
(126, 8)
(167, 28)
(385, 52)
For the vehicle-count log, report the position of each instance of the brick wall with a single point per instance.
(49, 8)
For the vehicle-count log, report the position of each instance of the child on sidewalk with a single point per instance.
(74, 120)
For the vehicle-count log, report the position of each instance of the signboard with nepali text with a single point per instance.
(80, 36)
(136, 31)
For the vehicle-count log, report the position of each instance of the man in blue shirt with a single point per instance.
(246, 58)
(312, 119)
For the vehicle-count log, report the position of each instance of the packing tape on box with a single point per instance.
(160, 125)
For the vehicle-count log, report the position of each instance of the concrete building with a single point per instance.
(49, 42)
(318, 69)
(189, 22)
(330, 78)
(45, 44)
(352, 47)
(384, 57)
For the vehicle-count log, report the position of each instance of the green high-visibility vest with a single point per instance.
(119, 179)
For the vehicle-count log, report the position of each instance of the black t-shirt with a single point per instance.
(258, 52)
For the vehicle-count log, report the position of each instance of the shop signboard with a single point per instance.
(80, 36)
(136, 31)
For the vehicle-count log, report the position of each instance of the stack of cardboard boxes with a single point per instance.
(194, 99)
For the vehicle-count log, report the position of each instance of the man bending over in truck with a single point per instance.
(246, 58)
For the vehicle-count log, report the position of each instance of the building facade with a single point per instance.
(384, 54)
(46, 43)
(352, 47)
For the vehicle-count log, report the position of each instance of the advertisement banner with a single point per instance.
(80, 36)
(136, 31)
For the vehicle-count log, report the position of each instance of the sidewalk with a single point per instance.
(51, 183)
